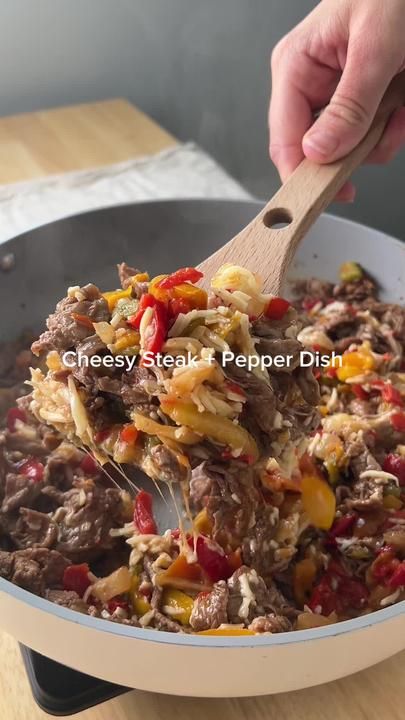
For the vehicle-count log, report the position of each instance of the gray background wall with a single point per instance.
(200, 67)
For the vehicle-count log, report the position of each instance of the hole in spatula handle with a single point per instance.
(277, 218)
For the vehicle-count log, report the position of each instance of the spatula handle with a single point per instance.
(311, 188)
(268, 250)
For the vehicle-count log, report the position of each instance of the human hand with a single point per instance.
(343, 55)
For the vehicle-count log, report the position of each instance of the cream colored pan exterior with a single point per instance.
(196, 666)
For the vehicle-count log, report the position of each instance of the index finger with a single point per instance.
(290, 116)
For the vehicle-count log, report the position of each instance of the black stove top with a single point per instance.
(58, 690)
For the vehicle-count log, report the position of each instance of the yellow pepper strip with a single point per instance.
(139, 602)
(129, 339)
(113, 296)
(354, 363)
(140, 277)
(350, 272)
(158, 293)
(179, 603)
(304, 576)
(216, 427)
(196, 297)
(307, 620)
(202, 524)
(318, 501)
(226, 631)
(333, 471)
(176, 434)
(391, 502)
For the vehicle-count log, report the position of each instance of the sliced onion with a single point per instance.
(78, 410)
(105, 332)
(115, 584)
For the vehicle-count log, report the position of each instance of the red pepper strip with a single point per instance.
(212, 559)
(155, 334)
(341, 527)
(277, 308)
(32, 469)
(178, 306)
(13, 415)
(359, 392)
(183, 275)
(391, 394)
(338, 592)
(227, 455)
(308, 303)
(113, 605)
(324, 599)
(397, 579)
(102, 435)
(384, 564)
(147, 300)
(129, 434)
(143, 515)
(89, 465)
(82, 320)
(235, 388)
(397, 421)
(395, 464)
(76, 577)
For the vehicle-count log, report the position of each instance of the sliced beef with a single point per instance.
(91, 345)
(6, 564)
(61, 465)
(67, 598)
(64, 331)
(308, 385)
(271, 624)
(34, 529)
(166, 464)
(364, 288)
(137, 387)
(200, 486)
(20, 491)
(283, 347)
(210, 608)
(250, 597)
(367, 493)
(257, 547)
(84, 522)
(231, 501)
(313, 289)
(26, 441)
(125, 273)
(260, 398)
(273, 329)
(162, 622)
(34, 569)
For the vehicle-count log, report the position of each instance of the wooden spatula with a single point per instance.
(268, 250)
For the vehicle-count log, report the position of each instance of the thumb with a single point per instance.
(347, 118)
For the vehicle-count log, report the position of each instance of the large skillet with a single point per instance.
(160, 237)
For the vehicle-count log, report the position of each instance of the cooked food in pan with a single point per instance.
(281, 427)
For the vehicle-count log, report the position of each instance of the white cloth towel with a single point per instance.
(184, 171)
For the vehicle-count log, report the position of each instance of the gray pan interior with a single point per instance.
(158, 236)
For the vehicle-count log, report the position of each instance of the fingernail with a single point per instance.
(322, 142)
